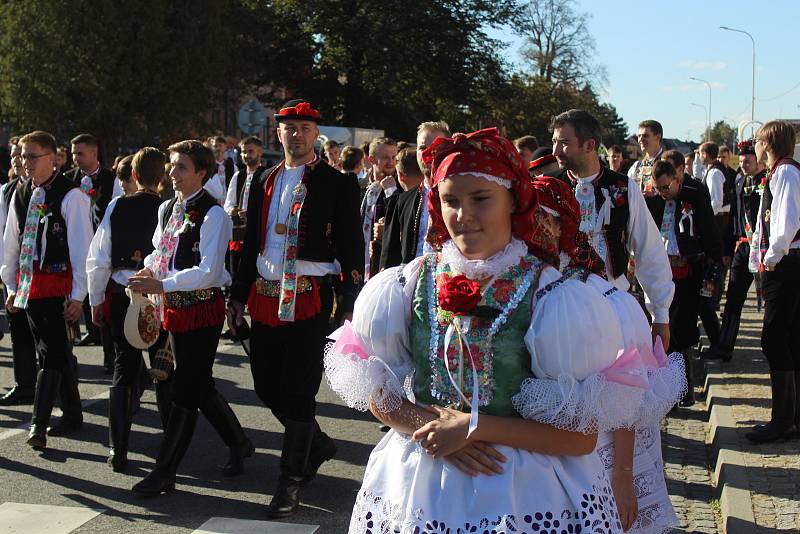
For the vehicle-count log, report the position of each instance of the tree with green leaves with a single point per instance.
(721, 133)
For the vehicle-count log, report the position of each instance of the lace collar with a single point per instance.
(490, 267)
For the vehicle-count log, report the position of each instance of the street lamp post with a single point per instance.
(708, 129)
(708, 84)
(753, 101)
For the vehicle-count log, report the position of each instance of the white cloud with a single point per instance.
(694, 64)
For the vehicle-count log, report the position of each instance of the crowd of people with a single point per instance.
(519, 317)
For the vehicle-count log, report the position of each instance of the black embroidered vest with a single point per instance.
(187, 254)
(133, 223)
(57, 248)
(616, 232)
(9, 189)
(728, 184)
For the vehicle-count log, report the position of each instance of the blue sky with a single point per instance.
(650, 49)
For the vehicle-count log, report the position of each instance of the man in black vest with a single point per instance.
(100, 185)
(407, 215)
(252, 149)
(44, 268)
(682, 212)
(225, 168)
(382, 156)
(23, 350)
(116, 253)
(614, 215)
(750, 182)
(186, 272)
(777, 237)
(302, 218)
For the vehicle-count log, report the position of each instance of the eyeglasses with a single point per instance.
(33, 157)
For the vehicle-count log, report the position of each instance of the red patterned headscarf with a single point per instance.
(484, 152)
(556, 196)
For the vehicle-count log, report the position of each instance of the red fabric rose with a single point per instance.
(687, 207)
(193, 216)
(459, 295)
(92, 192)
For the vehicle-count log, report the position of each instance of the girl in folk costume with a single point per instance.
(451, 349)
(117, 252)
(631, 457)
(186, 272)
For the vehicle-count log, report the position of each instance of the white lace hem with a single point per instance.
(667, 386)
(358, 381)
(490, 267)
(589, 406)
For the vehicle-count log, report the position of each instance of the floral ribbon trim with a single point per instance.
(36, 210)
(166, 249)
(289, 279)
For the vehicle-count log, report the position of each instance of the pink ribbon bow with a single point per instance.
(347, 342)
(657, 358)
(624, 369)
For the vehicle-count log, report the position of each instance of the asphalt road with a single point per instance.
(73, 471)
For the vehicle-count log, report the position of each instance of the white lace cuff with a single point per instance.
(358, 380)
(595, 404)
(667, 387)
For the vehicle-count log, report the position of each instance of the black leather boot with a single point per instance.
(782, 423)
(176, 440)
(221, 416)
(120, 413)
(24, 358)
(294, 463)
(323, 448)
(46, 389)
(729, 330)
(72, 417)
(164, 400)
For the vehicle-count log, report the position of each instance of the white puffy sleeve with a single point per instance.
(370, 358)
(665, 374)
(583, 381)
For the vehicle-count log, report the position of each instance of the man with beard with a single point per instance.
(382, 156)
(750, 182)
(407, 217)
(303, 230)
(252, 149)
(614, 215)
(649, 136)
(23, 351)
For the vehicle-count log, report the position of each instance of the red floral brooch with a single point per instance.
(459, 295)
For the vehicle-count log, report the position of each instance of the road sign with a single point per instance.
(252, 117)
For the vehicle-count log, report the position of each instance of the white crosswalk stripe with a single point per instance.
(227, 525)
(18, 518)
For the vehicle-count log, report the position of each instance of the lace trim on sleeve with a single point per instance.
(667, 386)
(358, 381)
(589, 406)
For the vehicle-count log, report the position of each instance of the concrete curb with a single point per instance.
(730, 471)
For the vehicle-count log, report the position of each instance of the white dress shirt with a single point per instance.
(784, 221)
(715, 181)
(98, 263)
(230, 197)
(75, 209)
(216, 187)
(698, 168)
(270, 261)
(3, 214)
(215, 233)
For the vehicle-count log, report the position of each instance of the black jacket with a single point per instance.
(103, 182)
(699, 240)
(329, 229)
(400, 234)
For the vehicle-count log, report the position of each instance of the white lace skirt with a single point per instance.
(406, 491)
(656, 514)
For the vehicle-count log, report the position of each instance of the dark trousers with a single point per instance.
(738, 285)
(684, 310)
(22, 347)
(195, 351)
(779, 336)
(49, 331)
(286, 362)
(127, 360)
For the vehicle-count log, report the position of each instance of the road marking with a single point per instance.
(227, 525)
(24, 427)
(20, 518)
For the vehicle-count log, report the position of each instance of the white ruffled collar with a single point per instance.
(490, 267)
